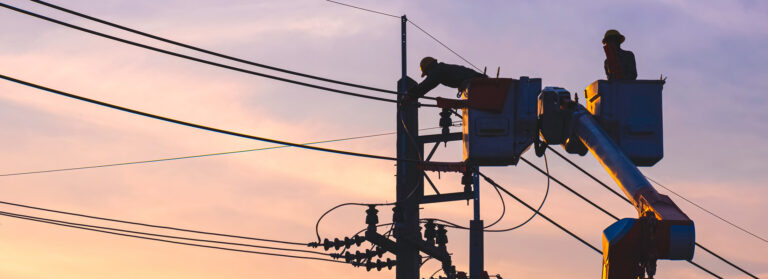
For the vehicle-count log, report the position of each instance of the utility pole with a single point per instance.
(409, 190)
(476, 265)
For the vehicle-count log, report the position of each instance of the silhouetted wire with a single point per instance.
(503, 209)
(198, 126)
(167, 236)
(174, 242)
(610, 214)
(544, 200)
(150, 225)
(435, 273)
(625, 199)
(707, 211)
(198, 156)
(489, 180)
(317, 224)
(218, 54)
(198, 59)
(364, 9)
(442, 44)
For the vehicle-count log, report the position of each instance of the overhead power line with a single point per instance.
(210, 52)
(152, 226)
(364, 9)
(489, 180)
(193, 125)
(625, 199)
(35, 219)
(195, 156)
(567, 231)
(414, 25)
(198, 59)
(444, 45)
(617, 218)
(660, 185)
(709, 212)
(168, 236)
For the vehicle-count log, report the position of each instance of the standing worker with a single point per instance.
(454, 76)
(619, 63)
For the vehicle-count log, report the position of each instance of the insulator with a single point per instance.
(327, 244)
(429, 231)
(441, 237)
(372, 219)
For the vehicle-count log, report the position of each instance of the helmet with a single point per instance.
(425, 63)
(613, 33)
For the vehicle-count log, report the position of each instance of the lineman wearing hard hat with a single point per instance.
(619, 64)
(454, 76)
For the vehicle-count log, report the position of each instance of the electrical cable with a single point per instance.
(616, 218)
(442, 44)
(198, 156)
(489, 180)
(317, 224)
(364, 9)
(503, 209)
(544, 200)
(217, 54)
(198, 126)
(707, 211)
(167, 236)
(196, 59)
(175, 242)
(150, 225)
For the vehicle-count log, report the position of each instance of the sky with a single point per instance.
(712, 53)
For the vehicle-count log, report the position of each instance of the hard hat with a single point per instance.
(613, 33)
(425, 63)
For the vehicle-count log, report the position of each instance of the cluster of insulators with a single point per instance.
(358, 256)
(378, 265)
(336, 244)
(463, 275)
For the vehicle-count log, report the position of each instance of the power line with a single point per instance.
(317, 224)
(364, 9)
(150, 225)
(707, 211)
(657, 183)
(217, 54)
(442, 44)
(167, 236)
(196, 156)
(193, 125)
(546, 194)
(489, 180)
(614, 216)
(414, 25)
(606, 186)
(567, 231)
(197, 59)
(172, 241)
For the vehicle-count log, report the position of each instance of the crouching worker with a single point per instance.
(454, 76)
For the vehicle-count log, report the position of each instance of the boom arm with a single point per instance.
(630, 246)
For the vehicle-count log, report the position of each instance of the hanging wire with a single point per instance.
(172, 241)
(217, 54)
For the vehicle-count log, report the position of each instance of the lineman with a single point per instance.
(619, 64)
(454, 76)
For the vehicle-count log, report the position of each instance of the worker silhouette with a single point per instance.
(619, 64)
(454, 76)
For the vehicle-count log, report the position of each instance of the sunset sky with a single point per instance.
(713, 53)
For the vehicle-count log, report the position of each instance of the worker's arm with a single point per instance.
(631, 67)
(425, 86)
